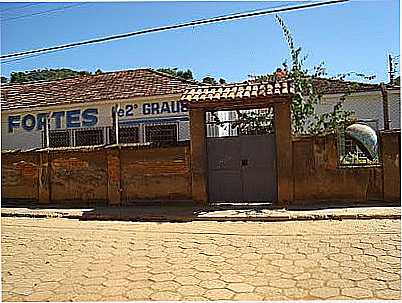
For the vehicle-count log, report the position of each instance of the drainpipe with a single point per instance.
(385, 105)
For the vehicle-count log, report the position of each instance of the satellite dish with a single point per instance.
(365, 138)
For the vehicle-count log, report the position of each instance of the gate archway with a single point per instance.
(269, 179)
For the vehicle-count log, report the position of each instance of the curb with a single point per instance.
(313, 217)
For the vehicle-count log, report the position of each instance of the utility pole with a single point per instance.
(385, 105)
(391, 69)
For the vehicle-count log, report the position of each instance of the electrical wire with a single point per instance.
(17, 8)
(241, 15)
(47, 12)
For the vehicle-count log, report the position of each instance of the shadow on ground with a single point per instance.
(184, 211)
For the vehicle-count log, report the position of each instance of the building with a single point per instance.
(365, 100)
(85, 110)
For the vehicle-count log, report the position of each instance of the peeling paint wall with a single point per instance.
(317, 175)
(156, 174)
(19, 176)
(78, 176)
(108, 175)
(391, 157)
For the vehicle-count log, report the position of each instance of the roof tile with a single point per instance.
(106, 86)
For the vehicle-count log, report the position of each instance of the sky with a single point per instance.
(355, 36)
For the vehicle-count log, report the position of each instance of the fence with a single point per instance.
(143, 172)
(318, 175)
(113, 175)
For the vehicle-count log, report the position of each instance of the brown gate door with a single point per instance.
(242, 169)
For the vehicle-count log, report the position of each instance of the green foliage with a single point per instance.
(209, 80)
(254, 122)
(304, 119)
(4, 79)
(45, 74)
(188, 75)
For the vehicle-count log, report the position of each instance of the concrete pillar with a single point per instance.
(44, 178)
(284, 157)
(199, 173)
(114, 177)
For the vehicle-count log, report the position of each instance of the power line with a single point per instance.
(241, 15)
(17, 8)
(47, 12)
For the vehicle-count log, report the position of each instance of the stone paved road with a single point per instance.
(60, 260)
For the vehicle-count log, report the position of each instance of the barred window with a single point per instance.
(85, 137)
(59, 138)
(240, 123)
(127, 134)
(165, 134)
(352, 153)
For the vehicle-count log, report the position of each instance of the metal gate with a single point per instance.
(242, 169)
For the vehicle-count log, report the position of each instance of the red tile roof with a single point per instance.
(335, 86)
(237, 91)
(106, 86)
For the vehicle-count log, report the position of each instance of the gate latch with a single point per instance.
(244, 162)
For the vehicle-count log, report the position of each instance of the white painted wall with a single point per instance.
(367, 106)
(140, 111)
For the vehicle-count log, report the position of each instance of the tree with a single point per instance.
(209, 80)
(4, 79)
(306, 96)
(188, 75)
(45, 74)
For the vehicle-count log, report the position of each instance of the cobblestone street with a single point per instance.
(61, 259)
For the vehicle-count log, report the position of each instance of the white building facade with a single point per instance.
(154, 117)
(146, 106)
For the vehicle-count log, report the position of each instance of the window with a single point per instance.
(241, 122)
(127, 134)
(59, 138)
(352, 153)
(85, 137)
(164, 134)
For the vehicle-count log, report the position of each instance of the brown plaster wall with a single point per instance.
(19, 176)
(199, 162)
(284, 153)
(109, 175)
(390, 151)
(78, 176)
(156, 174)
(317, 175)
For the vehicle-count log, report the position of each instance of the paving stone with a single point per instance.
(341, 283)
(187, 280)
(205, 276)
(240, 287)
(283, 283)
(357, 292)
(191, 290)
(295, 293)
(348, 262)
(388, 294)
(219, 294)
(162, 277)
(212, 284)
(165, 286)
(324, 292)
(248, 297)
(291, 269)
(310, 283)
(268, 291)
(395, 285)
(354, 276)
